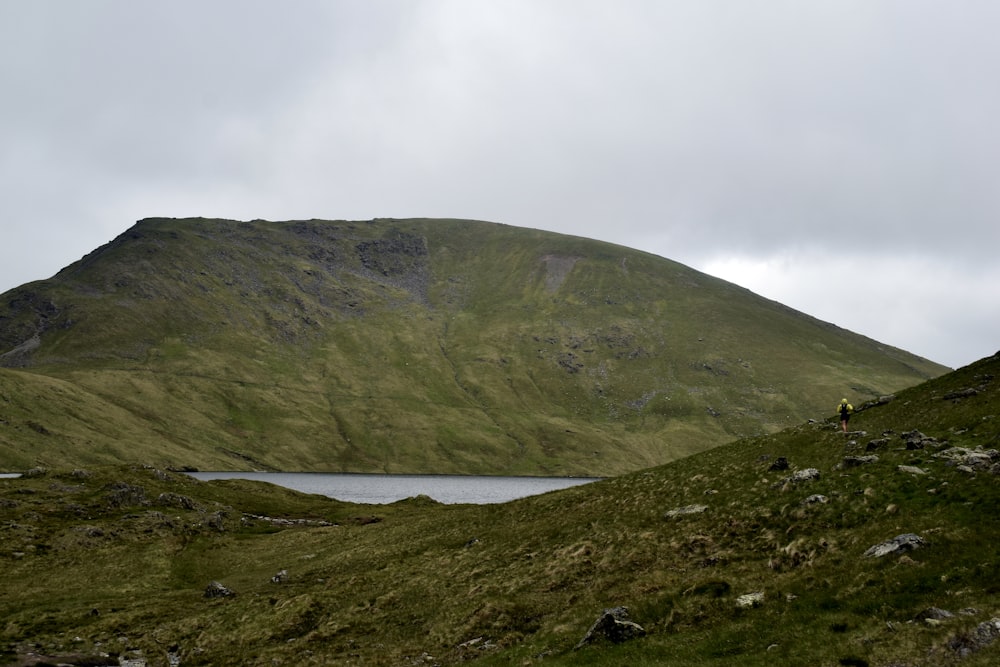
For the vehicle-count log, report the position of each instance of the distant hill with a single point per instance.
(447, 346)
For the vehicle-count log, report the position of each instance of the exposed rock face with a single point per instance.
(977, 459)
(121, 494)
(917, 440)
(934, 614)
(750, 600)
(217, 590)
(878, 443)
(856, 461)
(985, 634)
(613, 625)
(897, 545)
(176, 500)
(961, 393)
(799, 476)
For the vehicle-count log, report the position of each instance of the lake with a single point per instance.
(374, 489)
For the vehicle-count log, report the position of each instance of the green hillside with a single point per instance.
(406, 346)
(765, 551)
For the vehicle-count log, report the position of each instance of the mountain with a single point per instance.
(446, 346)
(804, 547)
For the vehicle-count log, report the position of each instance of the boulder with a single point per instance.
(878, 443)
(216, 589)
(780, 463)
(750, 600)
(805, 475)
(961, 393)
(982, 636)
(613, 625)
(912, 470)
(856, 461)
(897, 545)
(687, 509)
(934, 614)
(977, 459)
(917, 440)
(168, 499)
(123, 494)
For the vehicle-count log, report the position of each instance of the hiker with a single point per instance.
(845, 413)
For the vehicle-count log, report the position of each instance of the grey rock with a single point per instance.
(979, 458)
(780, 463)
(897, 545)
(912, 470)
(856, 461)
(613, 625)
(122, 494)
(934, 614)
(687, 509)
(917, 440)
(805, 475)
(216, 589)
(961, 393)
(982, 636)
(750, 600)
(176, 500)
(876, 444)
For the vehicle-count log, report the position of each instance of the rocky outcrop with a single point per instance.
(612, 625)
(897, 545)
(933, 615)
(683, 511)
(976, 459)
(961, 393)
(979, 638)
(750, 600)
(800, 476)
(249, 519)
(216, 589)
(878, 443)
(857, 461)
(780, 464)
(176, 500)
(122, 494)
(917, 440)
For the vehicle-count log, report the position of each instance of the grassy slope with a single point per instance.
(524, 580)
(408, 346)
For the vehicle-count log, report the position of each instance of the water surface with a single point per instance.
(376, 489)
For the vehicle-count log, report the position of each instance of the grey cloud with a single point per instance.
(694, 129)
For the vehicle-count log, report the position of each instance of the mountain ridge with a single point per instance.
(411, 345)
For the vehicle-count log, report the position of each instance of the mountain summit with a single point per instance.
(447, 346)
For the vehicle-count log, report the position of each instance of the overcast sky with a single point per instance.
(839, 156)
